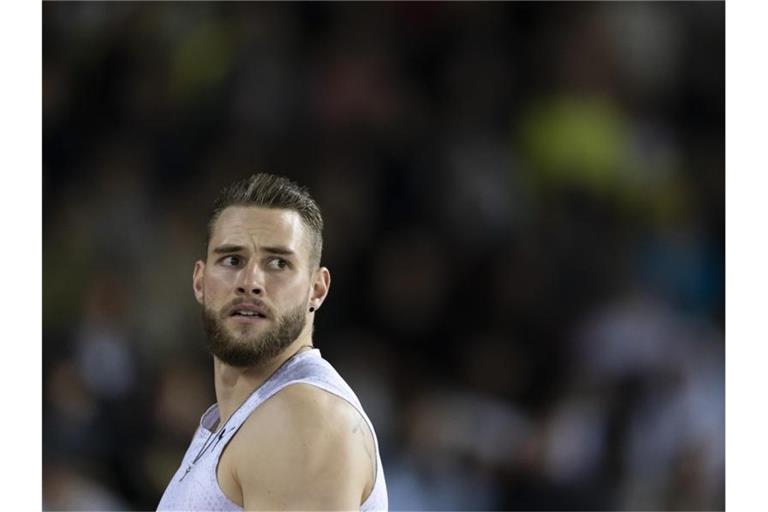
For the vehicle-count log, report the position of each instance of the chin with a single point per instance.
(239, 326)
(244, 334)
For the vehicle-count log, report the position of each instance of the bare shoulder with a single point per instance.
(305, 401)
(302, 412)
(304, 448)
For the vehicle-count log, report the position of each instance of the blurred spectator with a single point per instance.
(66, 489)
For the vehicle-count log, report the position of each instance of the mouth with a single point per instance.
(247, 313)
(249, 318)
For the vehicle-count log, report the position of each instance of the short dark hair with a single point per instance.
(271, 191)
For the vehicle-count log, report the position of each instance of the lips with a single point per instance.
(247, 314)
(248, 310)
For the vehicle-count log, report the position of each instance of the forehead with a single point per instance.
(254, 227)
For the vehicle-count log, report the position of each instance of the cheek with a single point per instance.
(215, 285)
(287, 288)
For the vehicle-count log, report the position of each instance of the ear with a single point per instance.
(320, 287)
(197, 281)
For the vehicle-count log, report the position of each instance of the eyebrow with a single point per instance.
(230, 248)
(284, 251)
(226, 249)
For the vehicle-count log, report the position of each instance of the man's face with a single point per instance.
(256, 285)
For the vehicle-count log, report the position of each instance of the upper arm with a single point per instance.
(303, 452)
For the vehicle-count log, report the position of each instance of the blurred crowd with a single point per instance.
(524, 209)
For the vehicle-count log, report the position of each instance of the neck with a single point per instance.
(234, 385)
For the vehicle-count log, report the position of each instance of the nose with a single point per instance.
(251, 281)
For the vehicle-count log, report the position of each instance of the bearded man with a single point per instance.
(286, 431)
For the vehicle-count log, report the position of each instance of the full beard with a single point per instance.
(247, 351)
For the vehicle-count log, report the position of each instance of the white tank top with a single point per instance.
(198, 488)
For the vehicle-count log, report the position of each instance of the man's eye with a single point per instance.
(278, 263)
(231, 261)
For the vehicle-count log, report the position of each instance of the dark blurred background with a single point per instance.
(525, 227)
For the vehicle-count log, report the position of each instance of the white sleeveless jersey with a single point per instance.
(197, 488)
